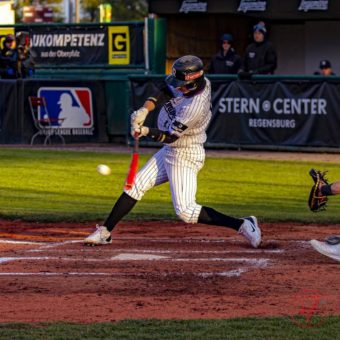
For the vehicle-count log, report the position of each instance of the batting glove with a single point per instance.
(134, 128)
(139, 131)
(138, 117)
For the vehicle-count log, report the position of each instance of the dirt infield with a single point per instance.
(164, 270)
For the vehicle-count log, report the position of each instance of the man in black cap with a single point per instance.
(226, 61)
(260, 56)
(325, 68)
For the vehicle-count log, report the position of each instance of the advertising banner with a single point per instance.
(309, 5)
(65, 45)
(70, 109)
(77, 109)
(289, 114)
(252, 5)
(87, 45)
(277, 113)
(193, 6)
(119, 45)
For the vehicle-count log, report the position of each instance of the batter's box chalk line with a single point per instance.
(137, 257)
(230, 273)
(19, 242)
(254, 263)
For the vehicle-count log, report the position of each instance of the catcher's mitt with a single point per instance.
(317, 201)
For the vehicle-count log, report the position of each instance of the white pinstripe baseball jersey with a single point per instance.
(179, 162)
(187, 118)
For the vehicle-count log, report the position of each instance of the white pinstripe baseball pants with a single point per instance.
(180, 167)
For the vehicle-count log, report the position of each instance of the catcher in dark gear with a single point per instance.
(320, 191)
(318, 198)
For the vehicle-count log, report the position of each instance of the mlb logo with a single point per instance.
(67, 107)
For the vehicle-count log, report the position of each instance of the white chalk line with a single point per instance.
(55, 274)
(45, 245)
(54, 245)
(229, 273)
(135, 257)
(19, 242)
(149, 239)
(227, 239)
(42, 245)
(138, 255)
(110, 249)
(141, 255)
(47, 258)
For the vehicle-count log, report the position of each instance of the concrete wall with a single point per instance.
(322, 42)
(290, 46)
(301, 46)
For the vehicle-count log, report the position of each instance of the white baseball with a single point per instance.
(104, 169)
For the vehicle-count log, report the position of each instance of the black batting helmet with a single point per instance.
(187, 70)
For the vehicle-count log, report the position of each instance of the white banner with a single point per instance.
(252, 5)
(310, 5)
(193, 6)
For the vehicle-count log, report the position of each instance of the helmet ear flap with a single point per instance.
(191, 86)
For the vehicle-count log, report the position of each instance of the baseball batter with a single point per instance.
(182, 124)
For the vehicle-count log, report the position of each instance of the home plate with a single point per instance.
(138, 257)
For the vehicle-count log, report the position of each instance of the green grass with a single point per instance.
(45, 185)
(250, 328)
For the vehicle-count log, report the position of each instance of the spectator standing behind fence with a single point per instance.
(325, 69)
(15, 60)
(25, 64)
(8, 58)
(260, 56)
(226, 61)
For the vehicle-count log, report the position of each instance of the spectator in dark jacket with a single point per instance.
(8, 58)
(260, 56)
(325, 69)
(15, 60)
(226, 60)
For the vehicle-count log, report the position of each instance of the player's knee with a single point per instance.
(187, 216)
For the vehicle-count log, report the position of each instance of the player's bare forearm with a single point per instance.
(149, 104)
(335, 187)
(158, 98)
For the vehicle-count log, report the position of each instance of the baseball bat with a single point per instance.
(130, 178)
